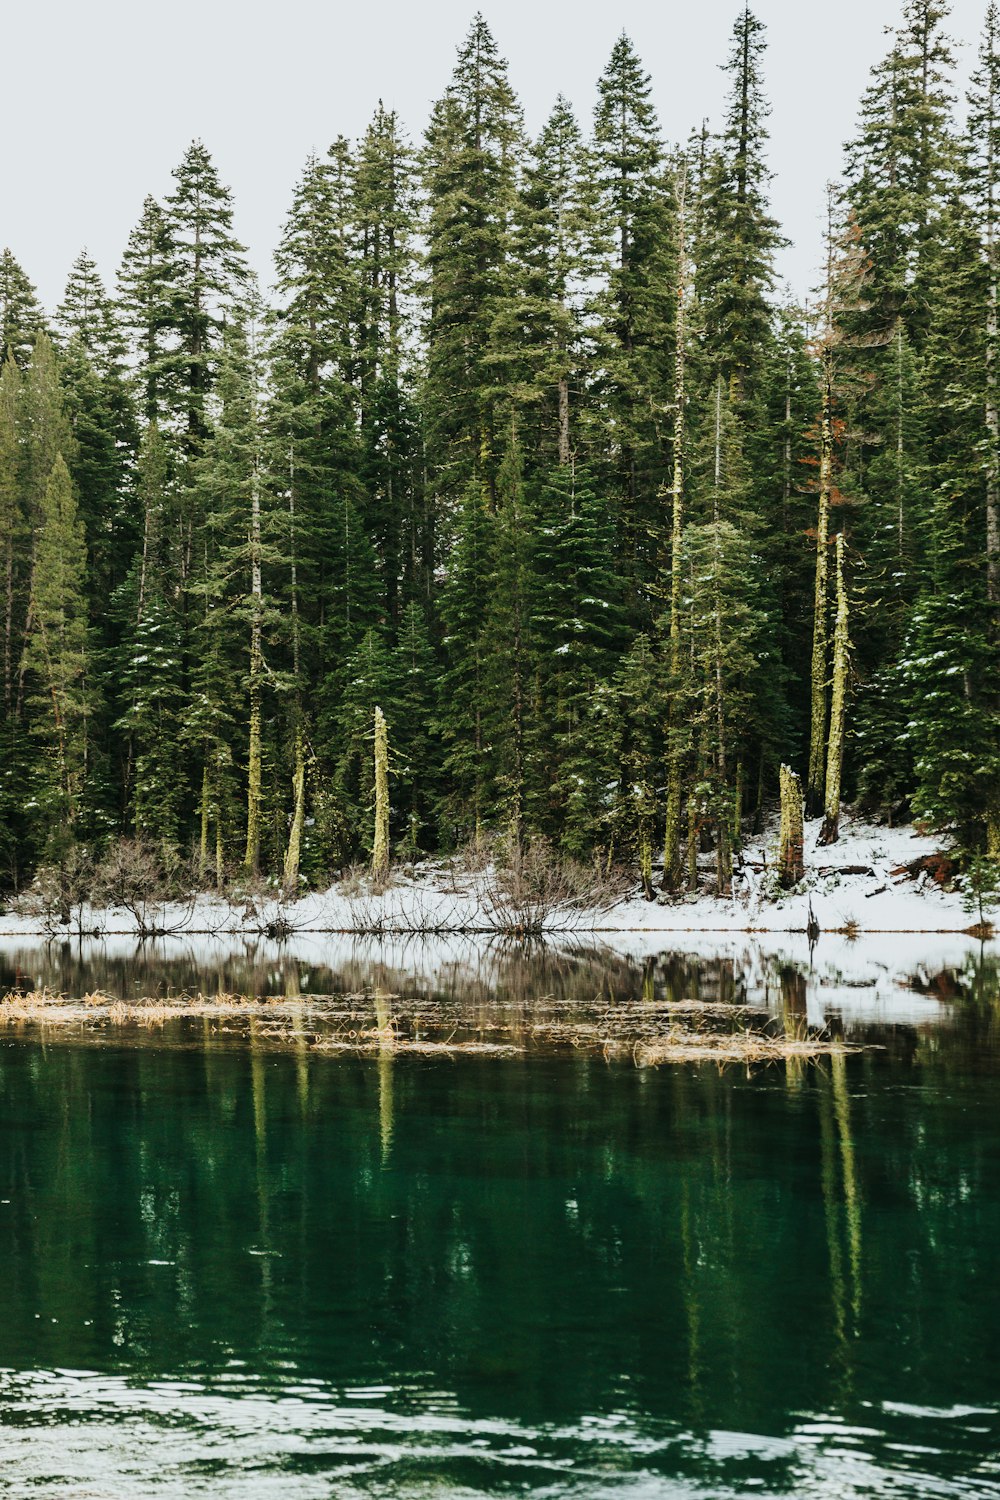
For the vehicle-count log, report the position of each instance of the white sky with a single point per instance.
(101, 97)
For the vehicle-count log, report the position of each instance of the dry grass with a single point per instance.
(648, 1033)
(734, 1047)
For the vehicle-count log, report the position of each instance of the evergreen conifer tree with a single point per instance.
(21, 317)
(55, 653)
(471, 157)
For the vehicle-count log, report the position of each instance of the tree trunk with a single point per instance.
(252, 857)
(564, 451)
(220, 846)
(294, 849)
(646, 856)
(817, 734)
(380, 849)
(672, 829)
(993, 449)
(692, 844)
(838, 699)
(203, 848)
(791, 864)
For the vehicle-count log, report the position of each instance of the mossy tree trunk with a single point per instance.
(791, 862)
(838, 706)
(672, 829)
(293, 851)
(817, 730)
(251, 858)
(380, 848)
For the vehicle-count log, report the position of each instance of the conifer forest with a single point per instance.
(526, 471)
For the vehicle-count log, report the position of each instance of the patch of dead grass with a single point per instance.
(649, 1033)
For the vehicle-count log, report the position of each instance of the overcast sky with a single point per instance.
(101, 98)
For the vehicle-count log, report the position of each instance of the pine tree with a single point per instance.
(21, 317)
(149, 664)
(463, 704)
(739, 235)
(45, 428)
(233, 480)
(208, 271)
(55, 652)
(385, 216)
(87, 314)
(471, 157)
(509, 666)
(146, 306)
(981, 173)
(316, 290)
(415, 751)
(632, 206)
(368, 677)
(152, 693)
(537, 331)
(578, 629)
(640, 699)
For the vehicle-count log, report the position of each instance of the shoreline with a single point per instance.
(872, 890)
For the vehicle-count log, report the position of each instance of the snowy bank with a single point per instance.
(856, 885)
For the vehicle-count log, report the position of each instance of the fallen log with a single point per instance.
(941, 867)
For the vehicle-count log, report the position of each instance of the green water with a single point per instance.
(238, 1273)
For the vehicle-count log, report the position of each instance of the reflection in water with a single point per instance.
(398, 1276)
(840, 984)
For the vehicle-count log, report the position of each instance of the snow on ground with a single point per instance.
(438, 931)
(432, 898)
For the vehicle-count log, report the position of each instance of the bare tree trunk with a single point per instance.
(8, 629)
(993, 450)
(564, 449)
(723, 847)
(380, 850)
(692, 845)
(791, 863)
(293, 852)
(251, 859)
(817, 733)
(220, 848)
(203, 847)
(672, 830)
(838, 700)
(646, 856)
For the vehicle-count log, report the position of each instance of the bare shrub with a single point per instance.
(533, 886)
(59, 890)
(473, 857)
(142, 877)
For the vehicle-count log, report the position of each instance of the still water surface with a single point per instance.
(233, 1272)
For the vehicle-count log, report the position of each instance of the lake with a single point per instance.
(240, 1271)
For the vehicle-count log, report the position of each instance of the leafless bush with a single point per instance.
(533, 886)
(473, 857)
(266, 908)
(58, 891)
(143, 878)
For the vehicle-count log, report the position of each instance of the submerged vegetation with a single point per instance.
(521, 509)
(646, 1032)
